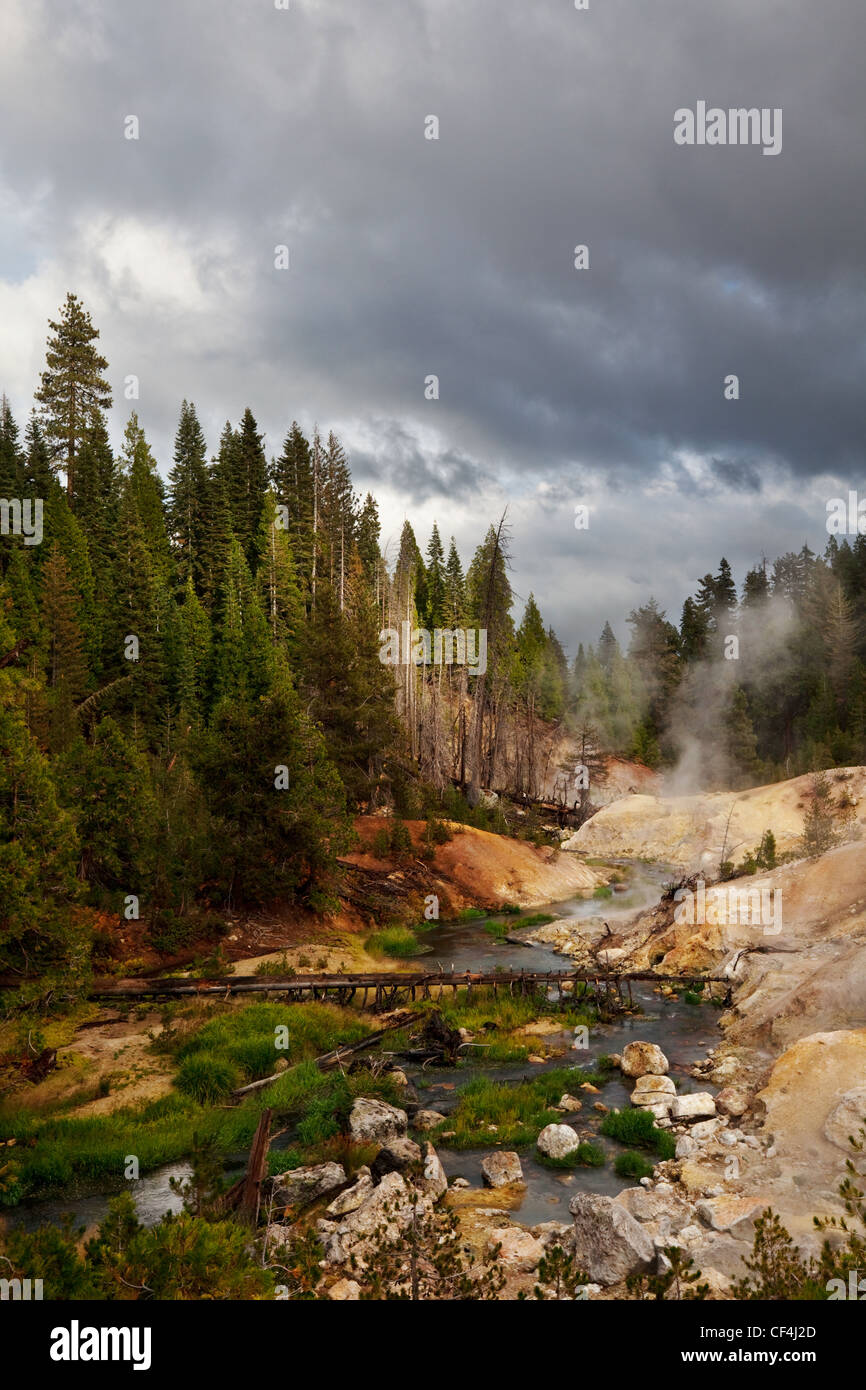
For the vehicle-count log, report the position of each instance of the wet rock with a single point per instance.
(374, 1120)
(557, 1141)
(301, 1186)
(570, 1104)
(608, 1243)
(641, 1058)
(501, 1169)
(696, 1107)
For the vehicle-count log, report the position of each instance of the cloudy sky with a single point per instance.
(409, 257)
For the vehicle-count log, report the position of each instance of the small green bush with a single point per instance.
(632, 1165)
(638, 1127)
(207, 1079)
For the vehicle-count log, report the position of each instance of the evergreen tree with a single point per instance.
(436, 582)
(11, 458)
(188, 499)
(455, 588)
(277, 833)
(73, 388)
(292, 481)
(67, 668)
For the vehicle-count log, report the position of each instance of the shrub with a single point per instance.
(632, 1165)
(638, 1127)
(381, 846)
(207, 1079)
(397, 942)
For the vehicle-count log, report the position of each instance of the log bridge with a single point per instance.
(385, 990)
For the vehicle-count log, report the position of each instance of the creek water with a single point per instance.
(683, 1031)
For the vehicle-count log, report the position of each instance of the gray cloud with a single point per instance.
(454, 256)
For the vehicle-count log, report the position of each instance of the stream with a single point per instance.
(683, 1031)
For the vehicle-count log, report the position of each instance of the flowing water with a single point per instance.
(683, 1031)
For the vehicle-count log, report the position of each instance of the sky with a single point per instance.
(410, 257)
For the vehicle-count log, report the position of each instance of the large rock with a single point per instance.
(608, 1243)
(345, 1291)
(300, 1186)
(643, 1058)
(656, 1093)
(520, 1249)
(557, 1141)
(697, 1107)
(664, 1211)
(730, 1213)
(375, 1121)
(386, 1213)
(501, 1169)
(395, 1157)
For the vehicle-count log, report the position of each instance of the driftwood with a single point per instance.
(244, 1197)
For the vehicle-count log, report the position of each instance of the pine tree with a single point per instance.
(67, 669)
(292, 480)
(455, 588)
(73, 387)
(243, 655)
(245, 470)
(277, 581)
(11, 458)
(188, 499)
(436, 582)
(147, 493)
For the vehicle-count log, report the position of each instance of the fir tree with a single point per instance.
(188, 499)
(73, 387)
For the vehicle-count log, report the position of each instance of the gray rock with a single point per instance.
(501, 1169)
(608, 1243)
(373, 1120)
(300, 1186)
(697, 1107)
(557, 1141)
(433, 1181)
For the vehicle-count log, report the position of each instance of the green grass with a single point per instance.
(538, 919)
(602, 891)
(510, 910)
(77, 1153)
(471, 914)
(584, 1156)
(632, 1165)
(519, 1112)
(246, 1038)
(637, 1127)
(497, 929)
(396, 942)
(207, 1079)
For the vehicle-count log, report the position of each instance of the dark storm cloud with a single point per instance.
(454, 257)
